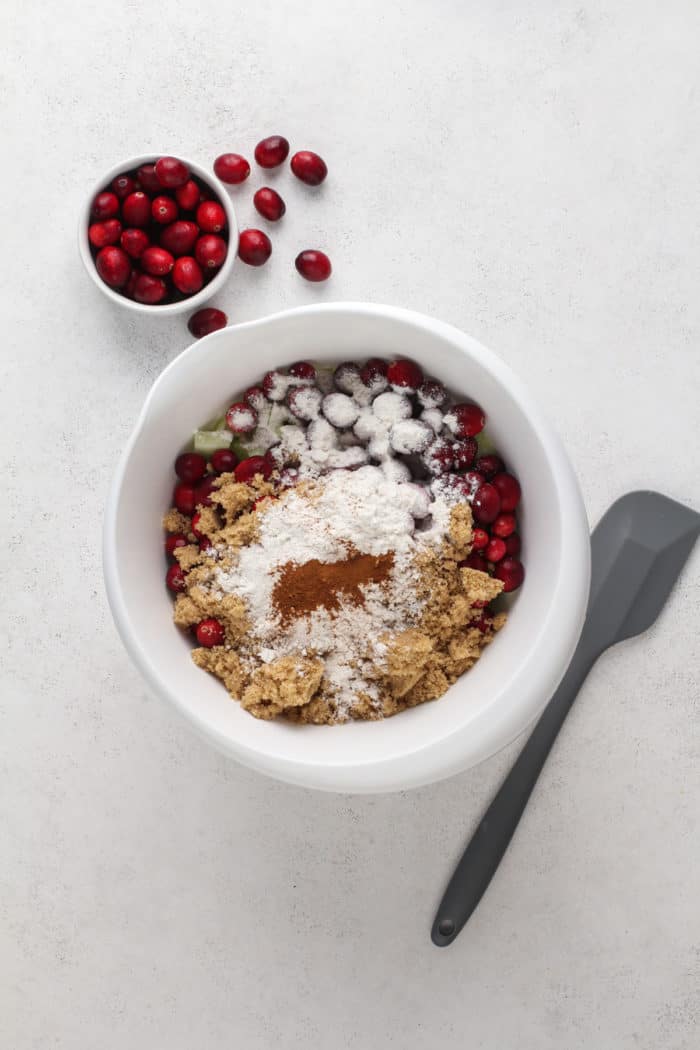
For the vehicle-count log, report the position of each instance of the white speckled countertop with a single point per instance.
(529, 172)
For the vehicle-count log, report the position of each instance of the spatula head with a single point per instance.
(639, 548)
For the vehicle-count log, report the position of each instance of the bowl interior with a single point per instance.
(491, 703)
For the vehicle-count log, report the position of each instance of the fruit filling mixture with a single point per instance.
(338, 539)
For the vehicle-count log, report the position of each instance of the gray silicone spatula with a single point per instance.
(638, 550)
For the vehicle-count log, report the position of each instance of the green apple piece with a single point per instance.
(486, 445)
(208, 441)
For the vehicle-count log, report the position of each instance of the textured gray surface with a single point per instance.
(529, 172)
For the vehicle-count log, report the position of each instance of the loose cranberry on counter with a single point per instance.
(210, 633)
(188, 196)
(486, 504)
(513, 545)
(175, 579)
(489, 465)
(157, 261)
(496, 549)
(122, 186)
(465, 420)
(511, 573)
(272, 151)
(313, 265)
(464, 452)
(224, 460)
(254, 247)
(148, 179)
(302, 370)
(504, 525)
(149, 290)
(113, 266)
(269, 203)
(210, 251)
(171, 172)
(248, 468)
(180, 237)
(190, 467)
(232, 168)
(480, 539)
(100, 234)
(164, 210)
(211, 217)
(134, 242)
(404, 376)
(187, 275)
(509, 490)
(173, 542)
(206, 321)
(105, 206)
(136, 209)
(241, 418)
(309, 167)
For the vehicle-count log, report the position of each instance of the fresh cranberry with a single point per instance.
(171, 172)
(274, 386)
(101, 234)
(475, 560)
(438, 457)
(113, 266)
(136, 209)
(431, 394)
(486, 504)
(210, 251)
(496, 549)
(489, 465)
(241, 418)
(164, 210)
(513, 545)
(309, 167)
(255, 397)
(511, 573)
(187, 275)
(173, 542)
(205, 544)
(188, 196)
(272, 151)
(465, 420)
(248, 468)
(269, 203)
(206, 321)
(232, 168)
(473, 479)
(204, 489)
(175, 579)
(196, 518)
(464, 453)
(254, 247)
(372, 370)
(157, 261)
(509, 490)
(405, 376)
(210, 633)
(269, 464)
(483, 624)
(223, 460)
(480, 539)
(190, 467)
(184, 499)
(122, 186)
(149, 290)
(130, 286)
(211, 217)
(105, 206)
(134, 242)
(313, 265)
(180, 237)
(148, 179)
(504, 526)
(302, 370)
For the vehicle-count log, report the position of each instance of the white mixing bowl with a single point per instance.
(491, 704)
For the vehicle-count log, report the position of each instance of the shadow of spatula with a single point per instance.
(638, 550)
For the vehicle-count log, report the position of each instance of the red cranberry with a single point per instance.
(206, 321)
(190, 467)
(130, 286)
(272, 151)
(313, 265)
(473, 479)
(496, 549)
(136, 209)
(372, 370)
(254, 247)
(302, 370)
(309, 167)
(148, 179)
(513, 545)
(248, 468)
(210, 251)
(511, 573)
(211, 217)
(204, 489)
(232, 168)
(187, 275)
(171, 172)
(188, 196)
(113, 266)
(480, 539)
(134, 242)
(241, 418)
(504, 526)
(223, 460)
(509, 490)
(210, 633)
(205, 544)
(184, 499)
(483, 624)
(101, 234)
(431, 394)
(149, 290)
(405, 376)
(122, 186)
(164, 210)
(438, 457)
(180, 237)
(175, 579)
(269, 464)
(194, 525)
(486, 503)
(465, 420)
(157, 261)
(105, 206)
(269, 203)
(489, 465)
(173, 542)
(475, 560)
(255, 397)
(464, 452)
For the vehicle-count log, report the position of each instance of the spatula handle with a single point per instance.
(490, 840)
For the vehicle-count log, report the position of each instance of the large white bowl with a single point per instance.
(490, 705)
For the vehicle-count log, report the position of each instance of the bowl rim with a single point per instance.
(154, 309)
(462, 748)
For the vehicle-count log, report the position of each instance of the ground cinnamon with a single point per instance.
(302, 588)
